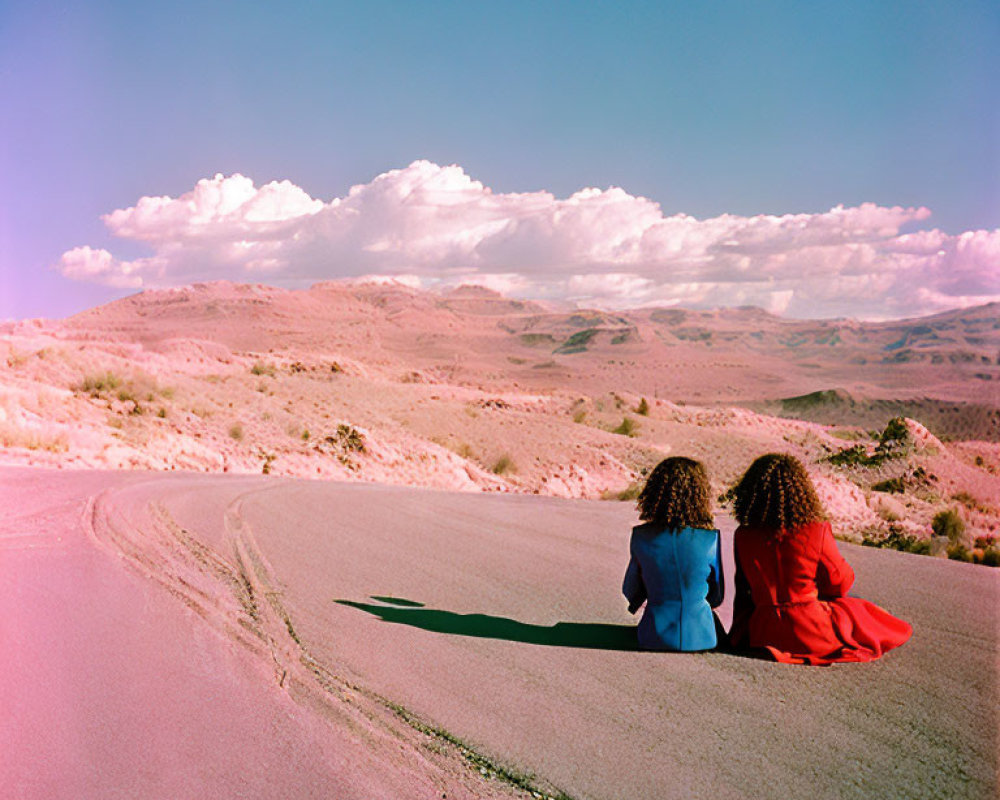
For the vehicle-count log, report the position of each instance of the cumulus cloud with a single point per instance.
(437, 226)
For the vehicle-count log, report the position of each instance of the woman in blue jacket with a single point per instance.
(676, 563)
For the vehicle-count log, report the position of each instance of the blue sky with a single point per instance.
(705, 108)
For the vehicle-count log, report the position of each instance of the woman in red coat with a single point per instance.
(791, 581)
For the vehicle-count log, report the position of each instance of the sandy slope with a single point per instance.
(476, 392)
(516, 648)
(110, 688)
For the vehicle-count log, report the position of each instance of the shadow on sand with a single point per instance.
(591, 635)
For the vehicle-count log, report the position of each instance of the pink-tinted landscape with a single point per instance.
(338, 339)
(471, 391)
(401, 577)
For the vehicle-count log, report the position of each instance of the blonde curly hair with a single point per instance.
(677, 495)
(776, 493)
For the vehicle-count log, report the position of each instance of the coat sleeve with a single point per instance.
(834, 576)
(716, 580)
(633, 587)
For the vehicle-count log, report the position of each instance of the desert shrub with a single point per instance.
(260, 368)
(966, 500)
(980, 461)
(15, 436)
(236, 432)
(630, 492)
(626, 428)
(893, 442)
(127, 395)
(162, 413)
(948, 523)
(728, 496)
(890, 486)
(959, 552)
(919, 546)
(888, 515)
(268, 459)
(855, 456)
(896, 435)
(94, 385)
(991, 557)
(895, 539)
(349, 438)
(579, 415)
(305, 435)
(343, 443)
(503, 465)
(642, 408)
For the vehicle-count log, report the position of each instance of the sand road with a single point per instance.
(186, 636)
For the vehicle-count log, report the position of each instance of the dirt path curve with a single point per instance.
(140, 663)
(497, 618)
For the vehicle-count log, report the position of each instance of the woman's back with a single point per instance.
(679, 574)
(790, 600)
(799, 568)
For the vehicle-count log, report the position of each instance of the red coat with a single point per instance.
(790, 601)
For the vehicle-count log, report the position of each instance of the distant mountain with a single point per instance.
(474, 391)
(739, 355)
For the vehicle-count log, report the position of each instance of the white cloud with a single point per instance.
(438, 226)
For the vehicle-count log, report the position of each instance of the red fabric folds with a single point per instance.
(790, 601)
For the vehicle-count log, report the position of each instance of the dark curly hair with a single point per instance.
(776, 493)
(677, 495)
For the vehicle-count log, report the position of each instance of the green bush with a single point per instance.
(991, 557)
(959, 552)
(642, 408)
(895, 540)
(349, 438)
(948, 523)
(627, 427)
(95, 384)
(630, 492)
(894, 442)
(503, 465)
(855, 456)
(891, 486)
(895, 438)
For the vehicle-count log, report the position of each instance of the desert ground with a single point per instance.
(367, 541)
(187, 635)
(476, 392)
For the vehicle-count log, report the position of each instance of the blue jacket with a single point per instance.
(679, 575)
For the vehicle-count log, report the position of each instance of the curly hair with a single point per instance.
(776, 493)
(677, 495)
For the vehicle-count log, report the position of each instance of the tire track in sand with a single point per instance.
(237, 593)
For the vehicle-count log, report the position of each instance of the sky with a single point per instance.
(815, 159)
